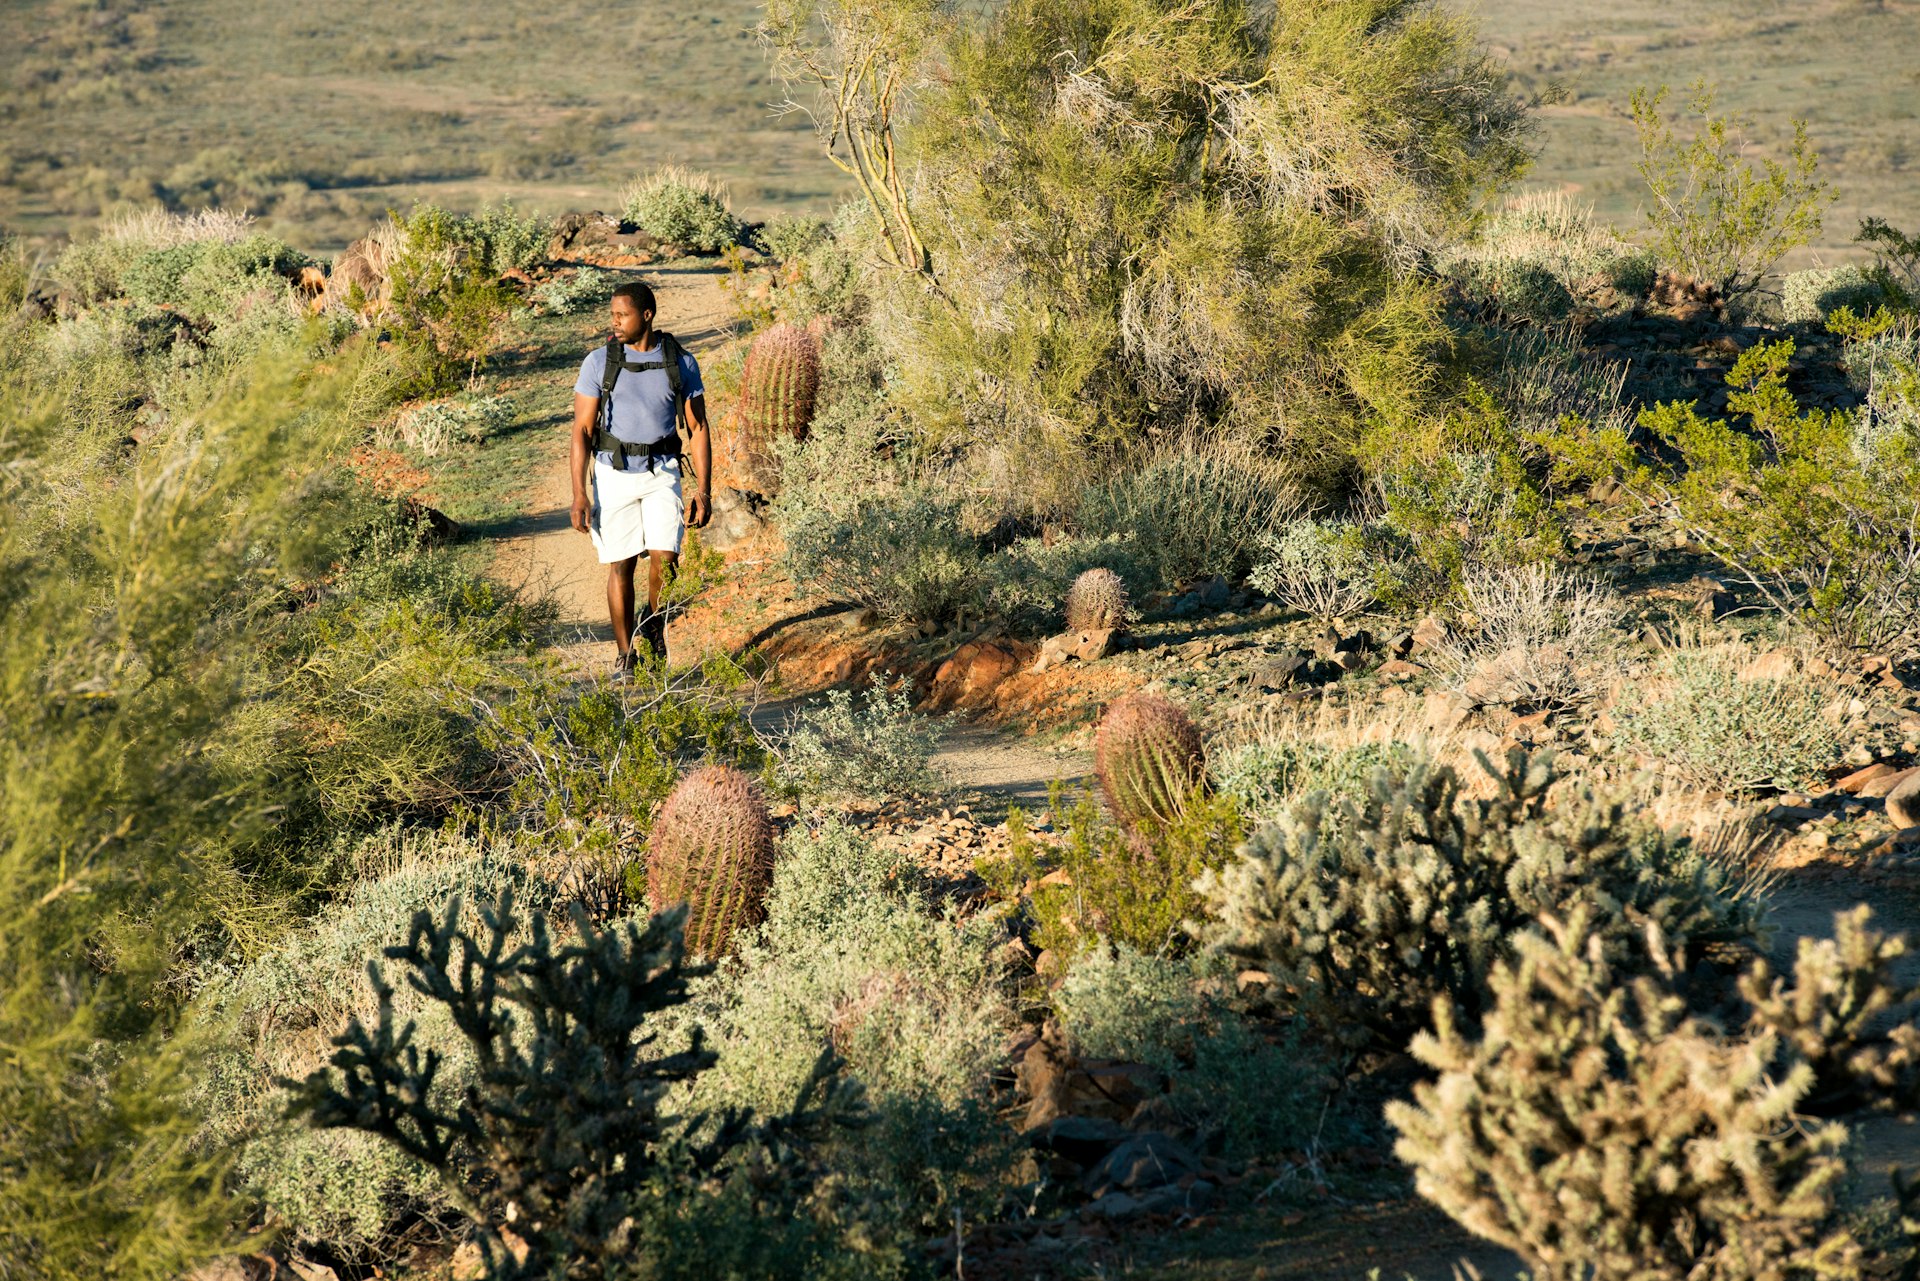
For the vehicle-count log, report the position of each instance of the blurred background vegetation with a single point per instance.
(318, 119)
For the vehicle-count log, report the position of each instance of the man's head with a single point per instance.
(632, 311)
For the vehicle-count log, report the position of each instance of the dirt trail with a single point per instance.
(540, 552)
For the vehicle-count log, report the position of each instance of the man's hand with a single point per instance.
(699, 508)
(578, 515)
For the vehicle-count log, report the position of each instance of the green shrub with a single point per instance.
(444, 300)
(278, 1012)
(1600, 1128)
(92, 269)
(789, 237)
(1705, 719)
(1268, 774)
(1828, 526)
(880, 748)
(900, 552)
(1808, 297)
(683, 208)
(1896, 268)
(852, 955)
(565, 1118)
(1130, 290)
(1534, 259)
(1323, 568)
(434, 428)
(1715, 217)
(585, 289)
(206, 280)
(1135, 888)
(1189, 514)
(505, 239)
(1417, 891)
(1258, 1098)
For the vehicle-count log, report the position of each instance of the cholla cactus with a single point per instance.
(778, 389)
(1601, 1134)
(1149, 759)
(1415, 892)
(712, 849)
(1097, 601)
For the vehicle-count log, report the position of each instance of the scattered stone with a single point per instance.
(1881, 786)
(1861, 778)
(1149, 1160)
(1428, 633)
(1277, 673)
(1903, 802)
(734, 520)
(1349, 660)
(1399, 669)
(1774, 665)
(1085, 1139)
(434, 527)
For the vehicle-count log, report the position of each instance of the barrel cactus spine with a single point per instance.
(1097, 601)
(712, 848)
(778, 389)
(1149, 759)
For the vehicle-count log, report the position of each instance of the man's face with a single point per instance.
(627, 319)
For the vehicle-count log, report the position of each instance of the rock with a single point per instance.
(1427, 633)
(308, 1270)
(1350, 660)
(1215, 595)
(734, 520)
(468, 1263)
(1903, 802)
(1086, 1139)
(598, 237)
(1858, 755)
(1327, 643)
(1091, 646)
(1053, 652)
(434, 527)
(1399, 669)
(1774, 665)
(1879, 787)
(974, 669)
(310, 281)
(1149, 1160)
(1276, 673)
(1860, 778)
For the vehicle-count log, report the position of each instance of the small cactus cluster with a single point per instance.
(1097, 601)
(778, 389)
(1149, 759)
(712, 849)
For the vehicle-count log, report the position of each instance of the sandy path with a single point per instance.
(539, 551)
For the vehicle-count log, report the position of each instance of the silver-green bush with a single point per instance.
(877, 747)
(1190, 512)
(1706, 718)
(1323, 568)
(682, 207)
(1808, 297)
(1269, 774)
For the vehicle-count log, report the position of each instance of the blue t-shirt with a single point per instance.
(643, 408)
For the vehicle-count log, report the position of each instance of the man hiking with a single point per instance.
(627, 462)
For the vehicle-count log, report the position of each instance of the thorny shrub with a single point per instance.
(879, 747)
(1542, 637)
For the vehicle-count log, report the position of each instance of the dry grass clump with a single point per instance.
(1543, 638)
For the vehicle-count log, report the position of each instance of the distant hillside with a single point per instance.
(324, 115)
(321, 116)
(1850, 68)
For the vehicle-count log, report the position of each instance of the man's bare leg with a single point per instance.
(661, 567)
(620, 602)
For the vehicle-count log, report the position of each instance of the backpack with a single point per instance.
(604, 441)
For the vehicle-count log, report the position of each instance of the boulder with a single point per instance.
(600, 238)
(1150, 1160)
(1903, 802)
(734, 520)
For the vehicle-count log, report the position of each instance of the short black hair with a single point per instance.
(641, 295)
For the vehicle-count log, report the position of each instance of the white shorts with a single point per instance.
(635, 512)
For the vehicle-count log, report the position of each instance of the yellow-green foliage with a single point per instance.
(1827, 522)
(1716, 217)
(124, 639)
(1132, 887)
(446, 302)
(1150, 210)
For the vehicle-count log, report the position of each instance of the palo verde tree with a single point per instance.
(1147, 215)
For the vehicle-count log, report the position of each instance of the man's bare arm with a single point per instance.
(586, 412)
(700, 504)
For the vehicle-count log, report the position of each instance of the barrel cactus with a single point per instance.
(1149, 758)
(778, 389)
(712, 849)
(1097, 601)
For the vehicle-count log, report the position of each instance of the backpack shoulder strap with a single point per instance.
(610, 372)
(670, 353)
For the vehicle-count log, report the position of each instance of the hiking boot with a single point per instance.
(623, 664)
